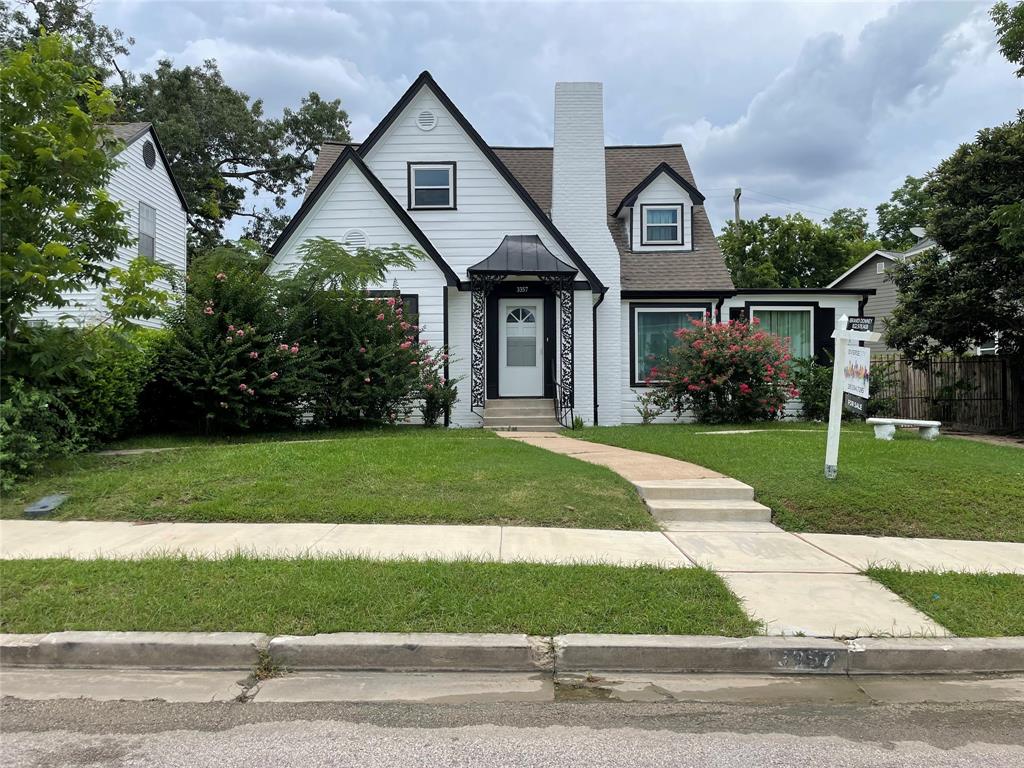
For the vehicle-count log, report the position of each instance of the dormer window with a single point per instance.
(661, 225)
(431, 186)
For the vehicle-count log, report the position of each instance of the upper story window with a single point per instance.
(147, 230)
(432, 186)
(661, 225)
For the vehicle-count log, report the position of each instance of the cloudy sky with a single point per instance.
(807, 106)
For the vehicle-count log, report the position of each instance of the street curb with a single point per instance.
(682, 653)
(412, 652)
(426, 652)
(151, 650)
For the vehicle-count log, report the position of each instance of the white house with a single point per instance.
(551, 273)
(156, 216)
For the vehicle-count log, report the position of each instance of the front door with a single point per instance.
(521, 347)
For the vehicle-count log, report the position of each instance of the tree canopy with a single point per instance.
(908, 206)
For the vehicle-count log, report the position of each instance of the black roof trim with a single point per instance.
(675, 294)
(673, 174)
(426, 79)
(803, 291)
(349, 154)
(522, 255)
(167, 166)
(607, 146)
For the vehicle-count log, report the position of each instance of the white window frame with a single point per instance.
(880, 268)
(450, 186)
(646, 208)
(145, 205)
(784, 308)
(638, 355)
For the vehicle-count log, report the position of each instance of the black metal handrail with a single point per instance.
(563, 413)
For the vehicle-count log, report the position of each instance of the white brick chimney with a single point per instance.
(579, 208)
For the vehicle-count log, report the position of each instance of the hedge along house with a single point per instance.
(552, 274)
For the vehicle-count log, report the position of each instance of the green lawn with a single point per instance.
(969, 605)
(949, 488)
(347, 595)
(391, 476)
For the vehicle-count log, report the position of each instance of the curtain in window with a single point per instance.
(655, 334)
(662, 224)
(789, 324)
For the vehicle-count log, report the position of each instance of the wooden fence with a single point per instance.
(980, 393)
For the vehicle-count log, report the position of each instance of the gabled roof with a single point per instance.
(349, 155)
(890, 255)
(128, 133)
(703, 268)
(522, 255)
(426, 80)
(668, 170)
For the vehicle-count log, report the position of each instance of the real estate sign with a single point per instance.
(857, 371)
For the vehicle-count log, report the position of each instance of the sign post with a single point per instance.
(847, 329)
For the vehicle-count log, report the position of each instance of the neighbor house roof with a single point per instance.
(128, 133)
(924, 244)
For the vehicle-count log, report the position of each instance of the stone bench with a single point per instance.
(886, 428)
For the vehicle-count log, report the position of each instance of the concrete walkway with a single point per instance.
(808, 583)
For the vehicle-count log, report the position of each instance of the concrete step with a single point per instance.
(519, 407)
(721, 488)
(709, 511)
(551, 427)
(518, 420)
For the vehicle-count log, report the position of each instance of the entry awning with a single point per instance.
(522, 255)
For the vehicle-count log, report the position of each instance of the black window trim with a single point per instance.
(410, 166)
(634, 306)
(644, 242)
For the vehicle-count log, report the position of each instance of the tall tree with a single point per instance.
(95, 45)
(908, 207)
(1009, 21)
(782, 252)
(850, 225)
(222, 146)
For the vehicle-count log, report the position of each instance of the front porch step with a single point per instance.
(705, 510)
(519, 422)
(519, 408)
(550, 427)
(706, 489)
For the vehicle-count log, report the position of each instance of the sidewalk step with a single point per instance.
(708, 511)
(712, 488)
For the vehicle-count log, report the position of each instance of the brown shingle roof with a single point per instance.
(625, 167)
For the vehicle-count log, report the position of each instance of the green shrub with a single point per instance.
(227, 365)
(726, 373)
(35, 425)
(104, 392)
(437, 393)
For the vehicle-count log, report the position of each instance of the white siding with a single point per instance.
(131, 183)
(663, 190)
(487, 208)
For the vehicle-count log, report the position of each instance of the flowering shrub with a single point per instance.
(228, 365)
(651, 403)
(726, 372)
(437, 393)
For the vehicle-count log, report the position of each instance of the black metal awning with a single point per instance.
(522, 255)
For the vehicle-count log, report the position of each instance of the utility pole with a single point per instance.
(736, 203)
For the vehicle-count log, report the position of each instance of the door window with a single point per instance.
(521, 337)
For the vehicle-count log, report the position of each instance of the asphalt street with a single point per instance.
(76, 733)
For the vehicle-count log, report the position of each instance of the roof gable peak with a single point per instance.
(662, 168)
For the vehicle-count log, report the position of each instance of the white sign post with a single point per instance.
(843, 338)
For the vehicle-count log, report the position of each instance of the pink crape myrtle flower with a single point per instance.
(366, 380)
(231, 327)
(221, 276)
(274, 375)
(294, 349)
(208, 310)
(242, 387)
(380, 316)
(405, 345)
(283, 347)
(254, 354)
(362, 349)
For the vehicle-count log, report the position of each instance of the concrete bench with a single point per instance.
(886, 428)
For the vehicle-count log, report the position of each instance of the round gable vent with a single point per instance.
(426, 120)
(356, 238)
(149, 154)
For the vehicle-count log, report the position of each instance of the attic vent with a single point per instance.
(148, 154)
(426, 120)
(356, 238)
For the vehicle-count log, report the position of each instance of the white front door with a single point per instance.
(521, 347)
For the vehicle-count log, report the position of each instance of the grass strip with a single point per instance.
(967, 604)
(307, 596)
(389, 476)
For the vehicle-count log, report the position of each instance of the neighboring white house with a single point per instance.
(156, 216)
(549, 272)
